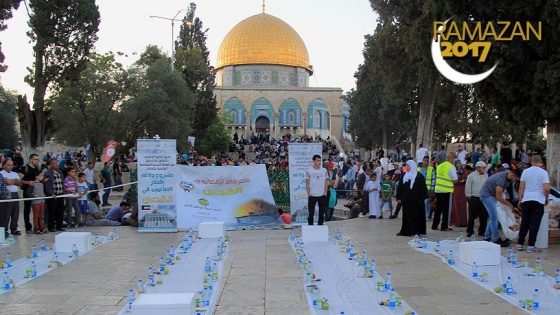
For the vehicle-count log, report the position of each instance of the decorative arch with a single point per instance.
(262, 107)
(235, 108)
(290, 113)
(318, 115)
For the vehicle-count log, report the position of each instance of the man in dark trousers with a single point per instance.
(27, 173)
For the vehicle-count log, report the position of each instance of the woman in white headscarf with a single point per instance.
(411, 194)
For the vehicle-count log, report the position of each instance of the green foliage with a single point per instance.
(160, 103)
(192, 60)
(6, 9)
(8, 136)
(63, 33)
(85, 110)
(218, 138)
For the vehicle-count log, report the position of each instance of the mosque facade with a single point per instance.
(262, 76)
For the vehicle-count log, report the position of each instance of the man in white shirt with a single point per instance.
(10, 210)
(462, 155)
(475, 181)
(421, 153)
(534, 188)
(316, 183)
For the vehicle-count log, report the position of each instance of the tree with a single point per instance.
(85, 110)
(6, 9)
(219, 141)
(524, 87)
(192, 59)
(8, 136)
(159, 103)
(63, 33)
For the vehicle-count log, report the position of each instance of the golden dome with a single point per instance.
(263, 39)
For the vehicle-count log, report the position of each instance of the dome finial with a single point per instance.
(263, 5)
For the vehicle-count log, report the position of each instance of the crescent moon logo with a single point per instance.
(453, 75)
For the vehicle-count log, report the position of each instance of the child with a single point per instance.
(83, 189)
(388, 188)
(373, 187)
(331, 197)
(70, 187)
(38, 205)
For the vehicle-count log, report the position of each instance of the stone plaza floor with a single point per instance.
(261, 273)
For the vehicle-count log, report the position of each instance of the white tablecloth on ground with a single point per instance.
(523, 284)
(42, 261)
(343, 283)
(186, 275)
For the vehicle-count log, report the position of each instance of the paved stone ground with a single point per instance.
(261, 274)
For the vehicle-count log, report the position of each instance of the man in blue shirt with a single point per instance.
(350, 179)
(116, 213)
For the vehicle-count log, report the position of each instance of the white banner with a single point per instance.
(240, 196)
(157, 210)
(300, 159)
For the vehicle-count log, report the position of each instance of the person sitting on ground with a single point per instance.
(354, 206)
(117, 213)
(95, 216)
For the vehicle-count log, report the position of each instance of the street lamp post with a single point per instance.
(173, 19)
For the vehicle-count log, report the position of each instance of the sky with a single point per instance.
(333, 31)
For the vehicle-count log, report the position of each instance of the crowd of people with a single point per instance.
(58, 194)
(452, 189)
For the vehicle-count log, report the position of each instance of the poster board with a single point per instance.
(240, 196)
(157, 210)
(300, 159)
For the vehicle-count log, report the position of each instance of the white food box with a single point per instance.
(482, 252)
(211, 229)
(65, 241)
(164, 304)
(315, 233)
(2, 235)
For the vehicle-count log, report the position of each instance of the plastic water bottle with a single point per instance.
(112, 235)
(387, 284)
(43, 245)
(450, 259)
(461, 236)
(205, 298)
(473, 238)
(8, 260)
(161, 264)
(509, 254)
(140, 288)
(351, 252)
(6, 285)
(538, 266)
(416, 241)
(228, 238)
(151, 278)
(214, 272)
(210, 281)
(474, 270)
(316, 295)
(292, 235)
(536, 303)
(557, 278)
(11, 239)
(75, 250)
(514, 259)
(392, 299)
(33, 269)
(364, 258)
(96, 240)
(131, 299)
(438, 247)
(172, 251)
(372, 267)
(424, 242)
(207, 265)
(189, 241)
(198, 299)
(34, 251)
(509, 286)
(55, 259)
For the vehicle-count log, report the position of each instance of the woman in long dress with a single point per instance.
(411, 194)
(373, 187)
(458, 215)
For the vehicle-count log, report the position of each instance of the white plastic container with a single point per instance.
(315, 233)
(484, 253)
(64, 242)
(211, 229)
(164, 304)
